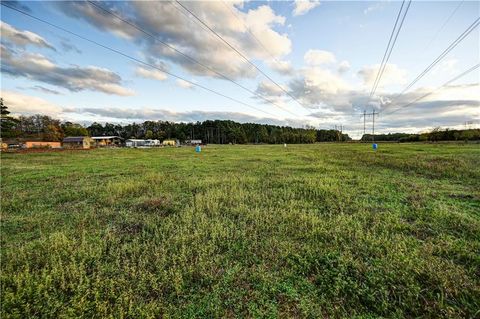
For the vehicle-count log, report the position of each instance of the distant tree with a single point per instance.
(110, 129)
(7, 122)
(74, 129)
(467, 135)
(149, 134)
(161, 135)
(96, 129)
(53, 133)
(217, 131)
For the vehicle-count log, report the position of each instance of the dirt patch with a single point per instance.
(462, 196)
(162, 206)
(127, 228)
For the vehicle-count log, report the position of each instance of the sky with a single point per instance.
(292, 63)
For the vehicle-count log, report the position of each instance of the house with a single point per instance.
(81, 142)
(134, 143)
(107, 141)
(171, 142)
(193, 142)
(39, 144)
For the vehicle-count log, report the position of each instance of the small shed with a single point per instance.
(107, 141)
(193, 142)
(41, 144)
(79, 142)
(3, 145)
(171, 142)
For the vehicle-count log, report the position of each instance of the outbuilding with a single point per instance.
(41, 144)
(171, 142)
(79, 142)
(107, 141)
(193, 142)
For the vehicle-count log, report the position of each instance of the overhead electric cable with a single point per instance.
(391, 48)
(431, 92)
(377, 78)
(239, 53)
(444, 24)
(250, 32)
(133, 58)
(186, 56)
(443, 54)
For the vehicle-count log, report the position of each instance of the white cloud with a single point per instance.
(448, 66)
(374, 7)
(37, 67)
(392, 75)
(22, 38)
(186, 35)
(282, 67)
(20, 104)
(269, 89)
(321, 88)
(150, 73)
(153, 114)
(454, 92)
(303, 6)
(319, 57)
(184, 84)
(343, 67)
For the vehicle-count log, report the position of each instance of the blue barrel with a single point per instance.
(374, 146)
(198, 149)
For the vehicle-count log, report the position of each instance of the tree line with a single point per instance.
(435, 135)
(211, 131)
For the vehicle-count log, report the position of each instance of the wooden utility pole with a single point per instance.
(364, 119)
(373, 124)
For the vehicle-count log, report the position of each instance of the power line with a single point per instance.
(442, 55)
(393, 44)
(386, 57)
(250, 32)
(133, 58)
(388, 49)
(186, 56)
(431, 92)
(239, 53)
(444, 24)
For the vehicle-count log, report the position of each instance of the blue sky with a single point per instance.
(329, 51)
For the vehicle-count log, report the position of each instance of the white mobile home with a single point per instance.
(134, 143)
(152, 143)
(142, 143)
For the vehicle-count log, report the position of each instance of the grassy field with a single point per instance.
(307, 231)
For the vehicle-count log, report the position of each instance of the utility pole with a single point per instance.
(364, 119)
(373, 125)
(364, 122)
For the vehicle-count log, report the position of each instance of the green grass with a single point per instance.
(307, 231)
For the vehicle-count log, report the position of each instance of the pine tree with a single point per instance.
(7, 122)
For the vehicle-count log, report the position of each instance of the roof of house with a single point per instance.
(74, 139)
(105, 137)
